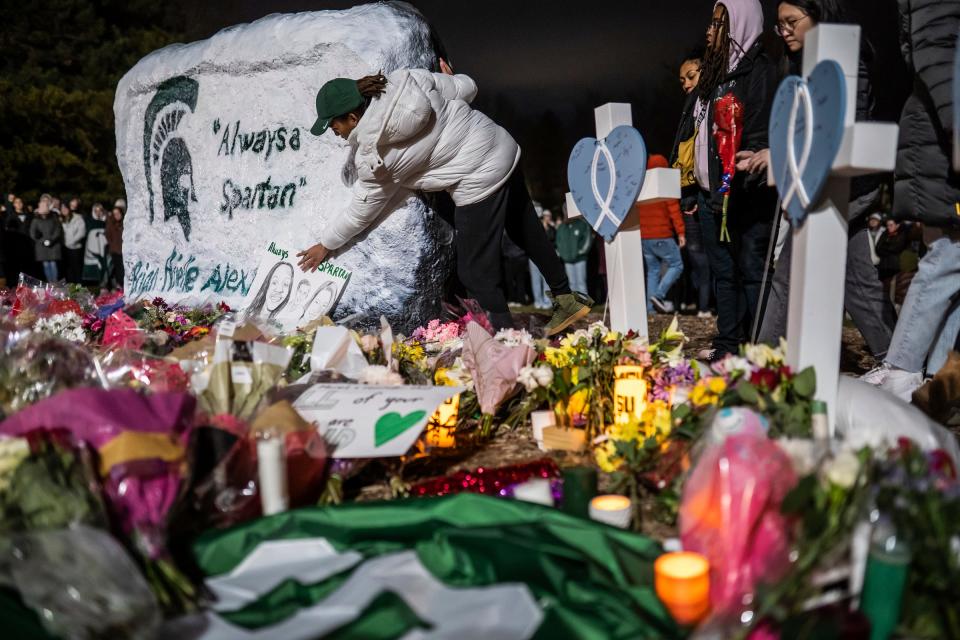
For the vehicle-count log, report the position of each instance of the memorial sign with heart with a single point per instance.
(806, 131)
(606, 177)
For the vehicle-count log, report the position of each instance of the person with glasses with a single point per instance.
(864, 299)
(734, 63)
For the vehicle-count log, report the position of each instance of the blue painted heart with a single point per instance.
(391, 425)
(806, 131)
(606, 176)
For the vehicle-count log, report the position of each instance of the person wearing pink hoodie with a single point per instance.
(735, 63)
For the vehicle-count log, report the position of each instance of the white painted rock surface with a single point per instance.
(217, 159)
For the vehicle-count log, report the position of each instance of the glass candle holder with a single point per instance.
(617, 511)
(682, 581)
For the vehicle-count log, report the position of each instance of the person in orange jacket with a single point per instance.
(661, 228)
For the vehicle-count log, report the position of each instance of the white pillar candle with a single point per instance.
(536, 491)
(540, 420)
(272, 471)
(617, 511)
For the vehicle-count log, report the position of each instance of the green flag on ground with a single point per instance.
(434, 567)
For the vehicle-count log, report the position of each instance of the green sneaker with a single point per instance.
(567, 309)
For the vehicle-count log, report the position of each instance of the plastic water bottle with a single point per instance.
(888, 565)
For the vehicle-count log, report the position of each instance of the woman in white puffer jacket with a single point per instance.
(415, 131)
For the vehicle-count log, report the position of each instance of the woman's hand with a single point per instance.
(753, 161)
(445, 67)
(311, 258)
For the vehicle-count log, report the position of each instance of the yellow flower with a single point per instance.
(606, 453)
(559, 357)
(716, 385)
(413, 352)
(707, 391)
(606, 457)
(657, 420)
(442, 378)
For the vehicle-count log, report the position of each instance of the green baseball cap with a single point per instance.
(335, 98)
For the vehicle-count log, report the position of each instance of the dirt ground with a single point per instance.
(516, 447)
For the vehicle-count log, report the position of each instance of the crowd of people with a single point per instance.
(702, 255)
(55, 241)
(918, 234)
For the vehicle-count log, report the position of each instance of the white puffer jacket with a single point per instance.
(422, 135)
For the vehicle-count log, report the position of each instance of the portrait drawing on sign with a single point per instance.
(274, 293)
(320, 304)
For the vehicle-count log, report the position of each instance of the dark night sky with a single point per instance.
(533, 56)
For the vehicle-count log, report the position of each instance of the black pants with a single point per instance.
(737, 265)
(698, 274)
(479, 228)
(73, 264)
(116, 270)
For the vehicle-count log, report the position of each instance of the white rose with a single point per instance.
(842, 469)
(543, 375)
(528, 378)
(801, 453)
(380, 375)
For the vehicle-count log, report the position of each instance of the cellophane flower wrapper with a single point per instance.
(82, 584)
(124, 367)
(730, 513)
(240, 377)
(493, 365)
(35, 366)
(141, 441)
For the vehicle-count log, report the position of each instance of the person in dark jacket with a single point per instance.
(927, 189)
(114, 233)
(574, 240)
(47, 234)
(892, 242)
(18, 254)
(864, 298)
(736, 63)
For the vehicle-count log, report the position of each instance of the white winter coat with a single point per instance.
(74, 232)
(422, 135)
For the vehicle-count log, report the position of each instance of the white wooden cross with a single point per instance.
(626, 284)
(818, 263)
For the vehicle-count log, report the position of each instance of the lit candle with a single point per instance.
(616, 511)
(682, 581)
(629, 399)
(622, 371)
(540, 420)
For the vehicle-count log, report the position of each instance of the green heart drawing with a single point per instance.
(390, 425)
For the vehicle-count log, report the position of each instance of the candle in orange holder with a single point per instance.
(622, 371)
(682, 580)
(614, 510)
(629, 399)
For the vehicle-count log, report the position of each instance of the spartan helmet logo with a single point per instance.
(166, 159)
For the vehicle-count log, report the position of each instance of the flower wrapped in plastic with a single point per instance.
(83, 584)
(34, 366)
(141, 442)
(240, 376)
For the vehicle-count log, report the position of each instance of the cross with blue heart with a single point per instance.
(606, 177)
(806, 131)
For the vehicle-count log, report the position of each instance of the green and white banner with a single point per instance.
(463, 566)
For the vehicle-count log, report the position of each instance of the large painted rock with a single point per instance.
(218, 161)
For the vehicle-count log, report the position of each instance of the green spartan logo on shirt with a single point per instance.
(167, 164)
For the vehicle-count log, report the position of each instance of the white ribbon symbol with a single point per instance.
(604, 202)
(796, 169)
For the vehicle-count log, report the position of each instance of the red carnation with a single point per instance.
(765, 378)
